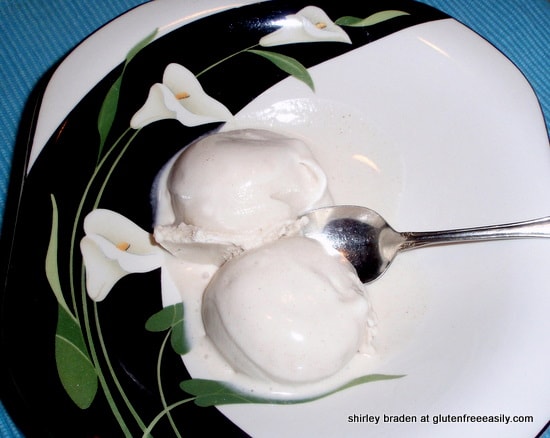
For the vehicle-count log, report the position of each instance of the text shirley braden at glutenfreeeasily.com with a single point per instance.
(439, 418)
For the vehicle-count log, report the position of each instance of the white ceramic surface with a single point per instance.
(455, 136)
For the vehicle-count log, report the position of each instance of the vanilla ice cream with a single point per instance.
(236, 190)
(273, 309)
(287, 312)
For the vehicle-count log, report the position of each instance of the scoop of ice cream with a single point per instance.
(244, 180)
(239, 189)
(286, 312)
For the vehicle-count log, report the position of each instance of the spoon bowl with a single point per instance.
(370, 244)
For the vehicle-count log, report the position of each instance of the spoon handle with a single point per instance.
(531, 228)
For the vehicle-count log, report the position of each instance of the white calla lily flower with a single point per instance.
(310, 24)
(113, 247)
(181, 97)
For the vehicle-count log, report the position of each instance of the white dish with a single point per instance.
(449, 134)
(454, 146)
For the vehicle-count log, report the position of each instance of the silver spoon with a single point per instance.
(371, 244)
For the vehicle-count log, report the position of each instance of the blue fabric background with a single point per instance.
(34, 34)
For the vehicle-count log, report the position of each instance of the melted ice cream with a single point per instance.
(236, 190)
(266, 309)
(287, 312)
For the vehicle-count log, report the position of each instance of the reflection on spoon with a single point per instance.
(370, 243)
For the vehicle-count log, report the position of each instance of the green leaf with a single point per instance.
(165, 318)
(74, 366)
(288, 65)
(371, 20)
(215, 393)
(141, 45)
(75, 369)
(178, 339)
(110, 103)
(367, 379)
(107, 113)
(52, 272)
(171, 317)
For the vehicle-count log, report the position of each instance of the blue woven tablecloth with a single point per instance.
(34, 34)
